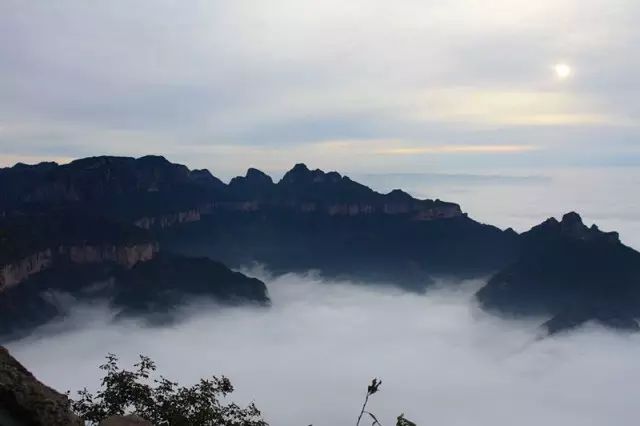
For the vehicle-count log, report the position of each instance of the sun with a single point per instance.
(563, 71)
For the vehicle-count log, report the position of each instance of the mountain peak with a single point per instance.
(399, 194)
(257, 176)
(571, 219)
(299, 172)
(204, 177)
(299, 168)
(572, 227)
(154, 159)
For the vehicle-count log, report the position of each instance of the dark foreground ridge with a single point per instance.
(145, 229)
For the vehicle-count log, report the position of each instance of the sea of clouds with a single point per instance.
(308, 358)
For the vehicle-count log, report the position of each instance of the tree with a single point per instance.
(162, 401)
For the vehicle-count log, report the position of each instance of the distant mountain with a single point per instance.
(137, 214)
(149, 189)
(308, 220)
(571, 272)
(151, 289)
(117, 187)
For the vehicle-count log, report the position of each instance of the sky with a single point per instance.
(364, 86)
(517, 109)
(308, 358)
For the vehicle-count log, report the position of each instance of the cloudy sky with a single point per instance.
(403, 85)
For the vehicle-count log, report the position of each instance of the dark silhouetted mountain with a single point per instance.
(24, 235)
(164, 282)
(99, 211)
(376, 247)
(119, 187)
(151, 289)
(604, 315)
(311, 219)
(571, 272)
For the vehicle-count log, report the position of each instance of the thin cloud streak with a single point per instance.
(453, 149)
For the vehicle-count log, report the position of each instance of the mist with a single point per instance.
(309, 357)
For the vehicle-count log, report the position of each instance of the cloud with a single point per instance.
(308, 359)
(542, 107)
(163, 75)
(457, 149)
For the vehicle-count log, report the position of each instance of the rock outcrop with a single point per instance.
(172, 219)
(14, 273)
(31, 244)
(127, 256)
(25, 401)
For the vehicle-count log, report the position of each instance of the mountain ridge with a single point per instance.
(312, 219)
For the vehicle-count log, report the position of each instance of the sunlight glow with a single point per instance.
(563, 71)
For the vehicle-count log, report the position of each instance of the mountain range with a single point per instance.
(147, 233)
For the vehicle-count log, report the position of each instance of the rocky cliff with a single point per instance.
(127, 256)
(14, 273)
(26, 401)
(172, 219)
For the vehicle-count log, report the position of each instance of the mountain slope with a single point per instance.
(571, 272)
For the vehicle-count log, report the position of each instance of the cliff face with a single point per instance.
(169, 220)
(15, 273)
(26, 401)
(126, 256)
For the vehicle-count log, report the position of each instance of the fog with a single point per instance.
(309, 357)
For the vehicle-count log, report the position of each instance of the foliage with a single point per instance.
(162, 401)
(404, 422)
(371, 389)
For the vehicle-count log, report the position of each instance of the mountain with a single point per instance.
(153, 228)
(30, 243)
(571, 272)
(310, 219)
(121, 188)
(151, 289)
(313, 219)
